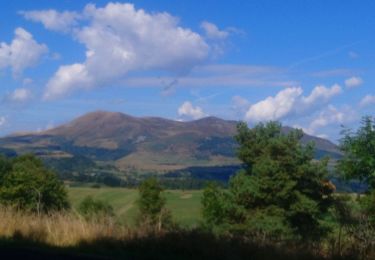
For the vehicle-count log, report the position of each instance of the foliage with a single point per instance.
(68, 165)
(26, 184)
(213, 203)
(95, 209)
(151, 204)
(281, 192)
(358, 161)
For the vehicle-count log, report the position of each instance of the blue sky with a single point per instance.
(308, 64)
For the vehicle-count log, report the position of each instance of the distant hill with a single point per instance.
(133, 144)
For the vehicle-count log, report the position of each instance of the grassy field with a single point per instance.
(184, 205)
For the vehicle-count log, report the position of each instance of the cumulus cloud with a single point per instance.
(353, 82)
(274, 108)
(367, 101)
(187, 110)
(21, 53)
(53, 20)
(321, 94)
(20, 95)
(290, 101)
(331, 115)
(213, 32)
(119, 39)
(326, 117)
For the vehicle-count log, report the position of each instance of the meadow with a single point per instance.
(185, 206)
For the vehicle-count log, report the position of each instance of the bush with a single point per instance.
(95, 209)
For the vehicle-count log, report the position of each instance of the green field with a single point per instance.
(184, 205)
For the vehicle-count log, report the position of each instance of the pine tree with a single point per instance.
(281, 191)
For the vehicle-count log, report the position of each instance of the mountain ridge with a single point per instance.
(145, 144)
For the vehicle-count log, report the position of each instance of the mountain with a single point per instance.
(119, 142)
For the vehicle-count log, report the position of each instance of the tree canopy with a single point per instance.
(358, 149)
(281, 191)
(25, 183)
(151, 204)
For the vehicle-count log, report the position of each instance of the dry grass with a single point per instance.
(74, 235)
(60, 229)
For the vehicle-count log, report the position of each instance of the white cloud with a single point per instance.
(20, 95)
(321, 94)
(120, 39)
(367, 101)
(331, 116)
(213, 32)
(353, 82)
(290, 102)
(21, 53)
(53, 20)
(66, 79)
(274, 108)
(189, 111)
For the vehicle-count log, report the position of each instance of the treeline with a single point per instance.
(111, 180)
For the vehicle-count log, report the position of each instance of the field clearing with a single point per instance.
(184, 205)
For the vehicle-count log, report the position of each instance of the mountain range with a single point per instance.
(113, 140)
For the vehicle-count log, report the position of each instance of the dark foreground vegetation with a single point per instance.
(281, 205)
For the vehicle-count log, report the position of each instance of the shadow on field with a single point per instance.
(172, 245)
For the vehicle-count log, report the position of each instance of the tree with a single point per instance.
(28, 185)
(151, 204)
(5, 167)
(281, 191)
(358, 147)
(213, 202)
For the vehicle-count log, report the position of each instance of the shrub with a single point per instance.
(95, 209)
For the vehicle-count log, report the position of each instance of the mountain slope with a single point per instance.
(134, 144)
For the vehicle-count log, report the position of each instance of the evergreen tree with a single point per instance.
(281, 191)
(359, 153)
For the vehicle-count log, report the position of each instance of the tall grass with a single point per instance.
(57, 229)
(74, 234)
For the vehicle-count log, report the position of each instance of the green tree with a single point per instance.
(28, 185)
(358, 147)
(95, 209)
(5, 167)
(151, 204)
(214, 204)
(281, 191)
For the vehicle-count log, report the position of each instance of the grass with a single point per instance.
(184, 205)
(67, 236)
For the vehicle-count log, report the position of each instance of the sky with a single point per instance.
(308, 64)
